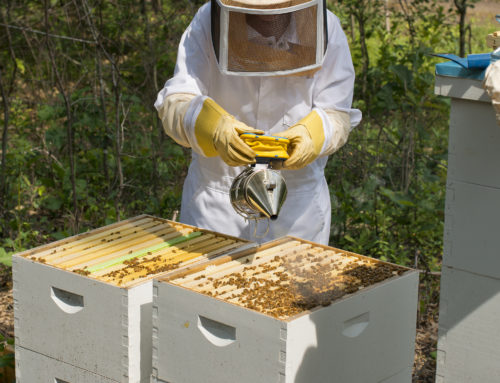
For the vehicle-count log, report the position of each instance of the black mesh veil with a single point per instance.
(215, 26)
(271, 41)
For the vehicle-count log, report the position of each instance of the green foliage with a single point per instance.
(6, 358)
(387, 183)
(5, 257)
(137, 40)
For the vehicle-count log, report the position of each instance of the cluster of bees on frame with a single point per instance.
(286, 286)
(152, 266)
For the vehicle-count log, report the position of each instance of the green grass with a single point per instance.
(480, 29)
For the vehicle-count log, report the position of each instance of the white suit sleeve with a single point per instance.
(334, 88)
(492, 86)
(338, 127)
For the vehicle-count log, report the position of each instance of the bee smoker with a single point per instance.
(260, 190)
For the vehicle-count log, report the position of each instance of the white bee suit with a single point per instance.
(492, 82)
(272, 104)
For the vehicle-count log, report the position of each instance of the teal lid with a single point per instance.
(452, 69)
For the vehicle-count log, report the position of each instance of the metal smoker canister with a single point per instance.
(260, 190)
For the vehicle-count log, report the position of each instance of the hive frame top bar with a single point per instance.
(223, 259)
(55, 244)
(189, 270)
(276, 242)
(74, 250)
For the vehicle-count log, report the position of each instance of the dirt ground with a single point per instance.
(485, 10)
(6, 303)
(424, 368)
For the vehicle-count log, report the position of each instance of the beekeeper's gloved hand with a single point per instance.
(217, 133)
(306, 140)
(492, 82)
(200, 123)
(315, 136)
(231, 148)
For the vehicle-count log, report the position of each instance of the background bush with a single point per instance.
(82, 145)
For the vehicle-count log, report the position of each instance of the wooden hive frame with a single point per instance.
(283, 262)
(493, 40)
(134, 250)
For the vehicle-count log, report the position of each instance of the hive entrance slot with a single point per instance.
(67, 301)
(59, 381)
(217, 333)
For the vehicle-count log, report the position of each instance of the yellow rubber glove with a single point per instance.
(306, 141)
(218, 133)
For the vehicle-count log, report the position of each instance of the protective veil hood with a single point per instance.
(268, 37)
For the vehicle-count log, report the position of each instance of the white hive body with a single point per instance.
(468, 321)
(36, 367)
(86, 302)
(288, 311)
(469, 317)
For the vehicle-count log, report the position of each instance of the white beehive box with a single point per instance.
(288, 311)
(473, 154)
(473, 187)
(472, 228)
(86, 301)
(469, 336)
(469, 319)
(34, 367)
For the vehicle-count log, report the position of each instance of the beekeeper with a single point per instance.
(279, 67)
(492, 82)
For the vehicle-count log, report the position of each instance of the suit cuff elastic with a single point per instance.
(337, 126)
(192, 115)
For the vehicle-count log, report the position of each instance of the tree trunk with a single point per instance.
(462, 32)
(105, 133)
(364, 54)
(409, 20)
(387, 15)
(461, 6)
(3, 181)
(69, 115)
(118, 141)
(5, 92)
